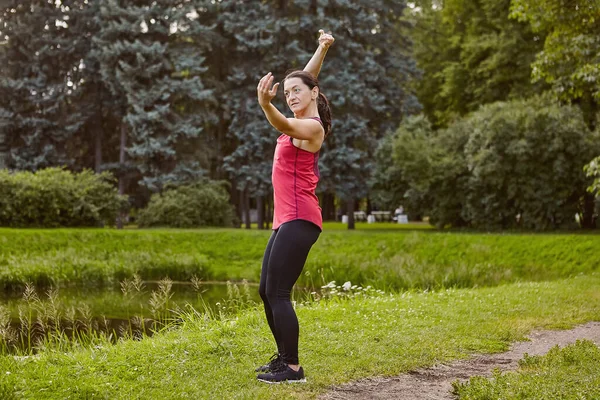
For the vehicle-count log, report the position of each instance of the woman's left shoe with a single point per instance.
(283, 374)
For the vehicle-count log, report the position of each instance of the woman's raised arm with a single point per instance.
(314, 65)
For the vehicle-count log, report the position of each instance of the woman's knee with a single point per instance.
(275, 295)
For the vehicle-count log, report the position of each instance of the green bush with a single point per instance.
(516, 164)
(55, 197)
(202, 204)
(526, 162)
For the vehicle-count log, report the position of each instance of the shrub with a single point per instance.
(526, 163)
(516, 164)
(202, 204)
(55, 197)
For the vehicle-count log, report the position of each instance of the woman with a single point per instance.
(297, 220)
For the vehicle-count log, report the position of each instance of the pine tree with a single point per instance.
(36, 111)
(151, 59)
(257, 35)
(367, 78)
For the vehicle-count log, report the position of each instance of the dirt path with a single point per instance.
(436, 383)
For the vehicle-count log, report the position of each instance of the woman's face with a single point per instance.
(297, 95)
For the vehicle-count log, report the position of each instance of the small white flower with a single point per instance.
(347, 285)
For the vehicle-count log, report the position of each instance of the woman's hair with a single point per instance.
(322, 103)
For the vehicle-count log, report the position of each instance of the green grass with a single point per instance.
(341, 340)
(390, 259)
(571, 373)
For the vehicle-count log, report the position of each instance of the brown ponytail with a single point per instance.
(324, 112)
(322, 102)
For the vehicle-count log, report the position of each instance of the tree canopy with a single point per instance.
(570, 59)
(471, 53)
(165, 91)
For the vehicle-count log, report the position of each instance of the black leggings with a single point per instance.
(283, 261)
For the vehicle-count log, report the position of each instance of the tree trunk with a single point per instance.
(3, 150)
(270, 212)
(589, 205)
(350, 214)
(590, 107)
(312, 10)
(238, 199)
(260, 207)
(98, 148)
(328, 207)
(246, 208)
(122, 174)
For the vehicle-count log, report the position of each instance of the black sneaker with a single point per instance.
(272, 365)
(284, 374)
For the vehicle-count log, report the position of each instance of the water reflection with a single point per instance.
(112, 303)
(33, 320)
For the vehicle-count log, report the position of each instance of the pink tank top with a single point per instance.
(295, 176)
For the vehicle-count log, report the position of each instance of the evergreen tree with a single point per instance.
(150, 56)
(94, 145)
(37, 115)
(365, 76)
(254, 37)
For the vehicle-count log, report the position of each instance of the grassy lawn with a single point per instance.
(448, 295)
(388, 259)
(341, 340)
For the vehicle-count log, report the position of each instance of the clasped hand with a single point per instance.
(325, 39)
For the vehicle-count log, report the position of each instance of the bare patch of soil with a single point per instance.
(436, 383)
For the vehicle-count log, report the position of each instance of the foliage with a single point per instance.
(37, 116)
(387, 185)
(515, 142)
(202, 204)
(56, 197)
(471, 54)
(151, 61)
(432, 170)
(570, 59)
(165, 92)
(569, 373)
(509, 165)
(593, 170)
(349, 339)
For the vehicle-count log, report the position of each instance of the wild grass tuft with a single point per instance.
(47, 324)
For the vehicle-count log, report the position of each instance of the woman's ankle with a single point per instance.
(295, 367)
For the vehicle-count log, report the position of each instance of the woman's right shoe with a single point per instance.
(272, 365)
(283, 374)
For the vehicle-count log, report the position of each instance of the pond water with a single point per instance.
(114, 303)
(135, 308)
